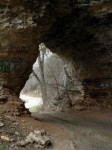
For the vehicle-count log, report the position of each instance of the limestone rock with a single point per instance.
(39, 137)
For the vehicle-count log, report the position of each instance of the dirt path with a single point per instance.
(78, 131)
(83, 131)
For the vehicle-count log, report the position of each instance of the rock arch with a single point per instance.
(77, 30)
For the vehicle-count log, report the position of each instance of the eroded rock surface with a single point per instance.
(79, 30)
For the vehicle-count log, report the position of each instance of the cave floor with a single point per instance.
(76, 131)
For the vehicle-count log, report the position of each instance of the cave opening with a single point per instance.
(51, 85)
(43, 81)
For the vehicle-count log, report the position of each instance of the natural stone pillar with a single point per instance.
(19, 40)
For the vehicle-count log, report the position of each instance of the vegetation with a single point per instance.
(1, 147)
(36, 108)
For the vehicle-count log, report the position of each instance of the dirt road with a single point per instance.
(83, 131)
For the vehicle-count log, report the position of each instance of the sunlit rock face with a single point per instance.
(80, 30)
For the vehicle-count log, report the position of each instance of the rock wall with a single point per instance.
(80, 30)
(19, 40)
(85, 35)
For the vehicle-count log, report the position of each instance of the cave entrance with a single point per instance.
(35, 90)
(49, 83)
